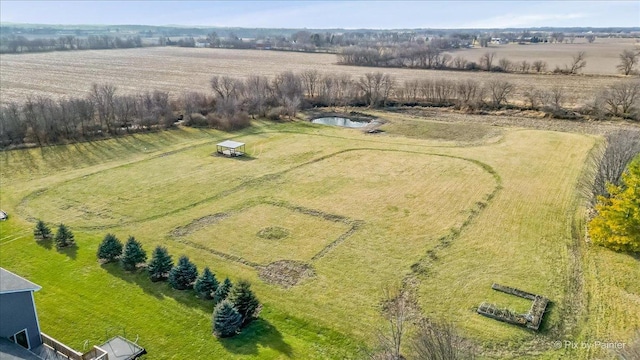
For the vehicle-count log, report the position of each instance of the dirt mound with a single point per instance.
(286, 273)
(273, 233)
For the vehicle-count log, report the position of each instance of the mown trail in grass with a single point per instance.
(405, 193)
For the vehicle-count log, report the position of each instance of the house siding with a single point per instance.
(17, 313)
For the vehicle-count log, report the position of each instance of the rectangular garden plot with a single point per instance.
(266, 232)
(531, 319)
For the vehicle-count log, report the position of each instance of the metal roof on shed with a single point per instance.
(12, 283)
(230, 144)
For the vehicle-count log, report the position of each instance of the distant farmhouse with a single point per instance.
(21, 337)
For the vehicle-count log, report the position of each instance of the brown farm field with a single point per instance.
(602, 55)
(177, 70)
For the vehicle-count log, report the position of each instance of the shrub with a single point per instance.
(110, 248)
(64, 237)
(245, 301)
(275, 113)
(160, 264)
(183, 275)
(226, 320)
(196, 120)
(206, 284)
(133, 254)
(42, 231)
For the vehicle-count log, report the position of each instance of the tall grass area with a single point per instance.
(361, 210)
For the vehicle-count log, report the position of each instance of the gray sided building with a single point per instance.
(18, 317)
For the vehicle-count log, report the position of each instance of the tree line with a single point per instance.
(20, 44)
(432, 55)
(232, 102)
(235, 304)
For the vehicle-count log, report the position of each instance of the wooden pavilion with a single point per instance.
(230, 148)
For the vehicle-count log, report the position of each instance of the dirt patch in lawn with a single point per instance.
(286, 273)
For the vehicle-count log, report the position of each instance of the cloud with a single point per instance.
(291, 15)
(529, 20)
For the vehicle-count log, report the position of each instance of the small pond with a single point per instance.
(340, 121)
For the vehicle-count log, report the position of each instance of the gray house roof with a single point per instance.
(12, 283)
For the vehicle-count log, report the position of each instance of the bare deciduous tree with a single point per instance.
(310, 79)
(539, 65)
(577, 63)
(469, 93)
(102, 97)
(610, 162)
(12, 128)
(499, 90)
(400, 309)
(556, 97)
(257, 94)
(557, 37)
(225, 87)
(486, 61)
(505, 64)
(375, 88)
(621, 98)
(440, 341)
(628, 60)
(533, 97)
(459, 63)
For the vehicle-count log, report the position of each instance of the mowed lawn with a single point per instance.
(506, 203)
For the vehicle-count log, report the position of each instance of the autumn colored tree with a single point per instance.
(617, 225)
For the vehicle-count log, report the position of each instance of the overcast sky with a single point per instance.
(328, 14)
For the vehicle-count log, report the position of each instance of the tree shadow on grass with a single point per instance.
(70, 251)
(259, 332)
(45, 243)
(546, 326)
(159, 289)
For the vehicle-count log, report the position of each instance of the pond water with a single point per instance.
(339, 121)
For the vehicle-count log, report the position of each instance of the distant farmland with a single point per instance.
(176, 70)
(602, 55)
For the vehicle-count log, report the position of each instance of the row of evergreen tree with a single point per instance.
(235, 305)
(63, 238)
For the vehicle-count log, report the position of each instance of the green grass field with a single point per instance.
(488, 204)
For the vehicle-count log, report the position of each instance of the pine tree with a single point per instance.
(160, 264)
(183, 275)
(223, 291)
(206, 284)
(245, 301)
(64, 237)
(133, 254)
(226, 320)
(41, 231)
(617, 224)
(110, 248)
